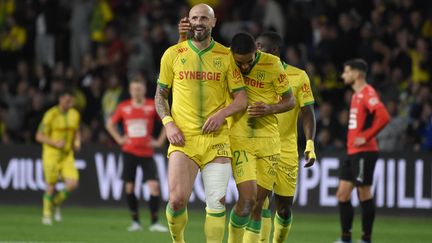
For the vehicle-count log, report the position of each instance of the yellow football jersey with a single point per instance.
(58, 125)
(201, 82)
(302, 92)
(266, 82)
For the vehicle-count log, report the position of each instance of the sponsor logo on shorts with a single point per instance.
(221, 149)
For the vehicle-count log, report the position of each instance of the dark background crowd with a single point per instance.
(94, 46)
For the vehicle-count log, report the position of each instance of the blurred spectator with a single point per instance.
(46, 24)
(4, 138)
(326, 119)
(324, 140)
(34, 116)
(269, 14)
(112, 96)
(391, 138)
(100, 16)
(12, 39)
(116, 50)
(140, 50)
(80, 31)
(7, 8)
(340, 137)
(18, 105)
(421, 62)
(93, 93)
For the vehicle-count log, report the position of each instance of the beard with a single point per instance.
(200, 36)
(349, 82)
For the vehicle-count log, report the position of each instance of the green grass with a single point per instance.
(22, 223)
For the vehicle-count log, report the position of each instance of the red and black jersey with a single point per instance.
(138, 124)
(367, 117)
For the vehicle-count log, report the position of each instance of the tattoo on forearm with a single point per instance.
(161, 102)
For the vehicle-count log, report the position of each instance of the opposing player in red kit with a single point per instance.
(367, 117)
(138, 115)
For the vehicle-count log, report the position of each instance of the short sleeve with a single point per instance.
(305, 95)
(280, 82)
(166, 75)
(78, 120)
(117, 115)
(234, 76)
(372, 101)
(45, 125)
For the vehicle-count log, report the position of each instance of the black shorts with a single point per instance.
(359, 168)
(130, 164)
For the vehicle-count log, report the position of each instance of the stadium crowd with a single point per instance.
(93, 46)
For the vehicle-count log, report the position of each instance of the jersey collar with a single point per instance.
(257, 57)
(200, 52)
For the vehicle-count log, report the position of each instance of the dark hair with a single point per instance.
(242, 43)
(274, 38)
(66, 91)
(137, 78)
(357, 64)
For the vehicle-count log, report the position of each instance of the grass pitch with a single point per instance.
(23, 223)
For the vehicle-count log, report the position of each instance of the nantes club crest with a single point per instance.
(217, 62)
(260, 75)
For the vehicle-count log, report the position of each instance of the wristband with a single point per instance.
(309, 145)
(167, 120)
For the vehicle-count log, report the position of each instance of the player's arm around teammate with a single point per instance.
(254, 135)
(286, 172)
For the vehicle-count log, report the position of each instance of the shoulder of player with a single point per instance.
(266, 59)
(51, 111)
(178, 48)
(369, 91)
(50, 114)
(218, 48)
(74, 111)
(294, 71)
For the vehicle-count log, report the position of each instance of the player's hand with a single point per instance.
(359, 141)
(183, 27)
(77, 145)
(59, 144)
(309, 153)
(214, 122)
(259, 109)
(174, 134)
(123, 140)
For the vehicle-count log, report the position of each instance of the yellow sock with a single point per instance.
(177, 221)
(214, 226)
(265, 226)
(282, 228)
(60, 197)
(236, 227)
(252, 232)
(47, 205)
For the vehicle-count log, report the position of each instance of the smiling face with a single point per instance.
(245, 61)
(202, 22)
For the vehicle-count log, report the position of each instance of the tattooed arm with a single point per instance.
(161, 102)
(174, 134)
